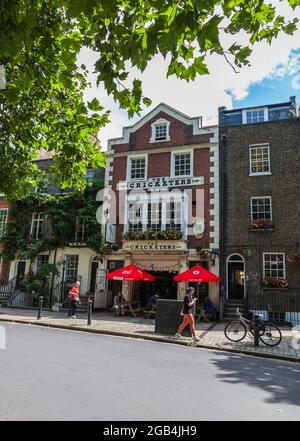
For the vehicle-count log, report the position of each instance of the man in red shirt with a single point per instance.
(74, 299)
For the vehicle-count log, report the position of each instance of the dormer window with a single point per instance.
(253, 116)
(160, 131)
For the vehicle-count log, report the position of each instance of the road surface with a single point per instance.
(49, 374)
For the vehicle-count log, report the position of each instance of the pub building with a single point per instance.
(160, 210)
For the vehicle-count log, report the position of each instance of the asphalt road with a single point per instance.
(48, 374)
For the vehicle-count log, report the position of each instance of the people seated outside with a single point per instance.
(119, 302)
(151, 302)
(208, 310)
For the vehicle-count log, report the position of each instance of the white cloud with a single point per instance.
(207, 93)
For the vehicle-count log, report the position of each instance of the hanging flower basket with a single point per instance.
(293, 259)
(153, 235)
(275, 283)
(261, 225)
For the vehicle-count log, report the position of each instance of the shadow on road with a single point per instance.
(281, 380)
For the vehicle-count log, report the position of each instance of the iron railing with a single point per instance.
(281, 307)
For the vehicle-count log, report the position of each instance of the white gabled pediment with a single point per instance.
(196, 122)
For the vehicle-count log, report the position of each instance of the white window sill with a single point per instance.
(155, 141)
(181, 176)
(260, 174)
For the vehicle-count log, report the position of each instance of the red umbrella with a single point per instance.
(197, 274)
(131, 273)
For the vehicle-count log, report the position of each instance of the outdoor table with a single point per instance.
(132, 307)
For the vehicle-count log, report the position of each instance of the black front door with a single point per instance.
(20, 272)
(236, 280)
(93, 276)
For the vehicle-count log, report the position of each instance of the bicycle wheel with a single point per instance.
(272, 335)
(235, 331)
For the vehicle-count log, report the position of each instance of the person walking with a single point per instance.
(189, 303)
(74, 299)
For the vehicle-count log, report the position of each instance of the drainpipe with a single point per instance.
(52, 280)
(222, 178)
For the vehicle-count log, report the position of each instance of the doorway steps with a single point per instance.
(231, 307)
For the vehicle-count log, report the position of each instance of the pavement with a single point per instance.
(211, 334)
(53, 374)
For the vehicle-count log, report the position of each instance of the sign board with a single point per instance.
(110, 233)
(154, 245)
(162, 183)
(100, 289)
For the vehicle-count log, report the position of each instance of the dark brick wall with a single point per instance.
(283, 185)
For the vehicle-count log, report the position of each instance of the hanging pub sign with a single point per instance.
(199, 228)
(161, 183)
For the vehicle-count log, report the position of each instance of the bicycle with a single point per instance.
(236, 330)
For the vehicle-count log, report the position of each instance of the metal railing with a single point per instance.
(8, 289)
(280, 307)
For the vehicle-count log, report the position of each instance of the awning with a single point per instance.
(131, 273)
(197, 274)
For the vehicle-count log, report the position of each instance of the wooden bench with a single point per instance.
(150, 313)
(132, 307)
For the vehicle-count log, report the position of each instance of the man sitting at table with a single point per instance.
(208, 310)
(119, 302)
(152, 301)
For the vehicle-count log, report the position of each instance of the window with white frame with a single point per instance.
(261, 208)
(3, 220)
(255, 116)
(71, 267)
(42, 259)
(259, 159)
(135, 216)
(80, 230)
(137, 168)
(154, 216)
(173, 215)
(182, 164)
(37, 222)
(90, 175)
(160, 130)
(274, 265)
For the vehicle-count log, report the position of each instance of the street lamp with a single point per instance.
(64, 263)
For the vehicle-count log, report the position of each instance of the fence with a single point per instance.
(281, 307)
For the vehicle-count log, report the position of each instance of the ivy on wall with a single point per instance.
(62, 211)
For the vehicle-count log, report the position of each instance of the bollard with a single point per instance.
(256, 330)
(90, 305)
(41, 298)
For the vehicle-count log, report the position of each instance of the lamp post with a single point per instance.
(64, 263)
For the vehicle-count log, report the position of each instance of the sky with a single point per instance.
(273, 76)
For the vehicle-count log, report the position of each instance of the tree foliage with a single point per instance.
(42, 105)
(62, 211)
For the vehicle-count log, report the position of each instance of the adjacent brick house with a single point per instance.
(163, 175)
(260, 209)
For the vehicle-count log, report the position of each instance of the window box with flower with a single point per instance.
(261, 225)
(275, 283)
(153, 235)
